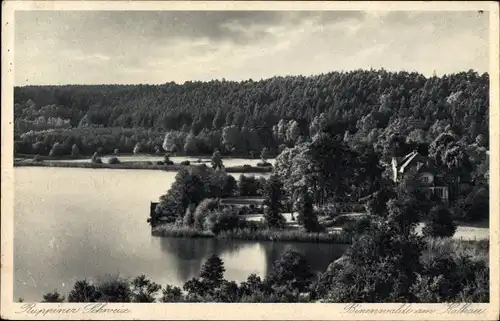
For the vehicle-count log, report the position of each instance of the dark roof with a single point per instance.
(407, 160)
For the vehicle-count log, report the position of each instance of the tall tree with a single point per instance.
(307, 217)
(274, 203)
(217, 160)
(212, 271)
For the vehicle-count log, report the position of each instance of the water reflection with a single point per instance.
(188, 255)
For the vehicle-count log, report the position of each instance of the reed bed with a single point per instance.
(285, 235)
(171, 230)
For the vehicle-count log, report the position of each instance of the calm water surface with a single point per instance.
(73, 223)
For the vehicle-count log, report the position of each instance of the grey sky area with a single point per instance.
(130, 47)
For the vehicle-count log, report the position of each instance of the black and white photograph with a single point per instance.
(293, 155)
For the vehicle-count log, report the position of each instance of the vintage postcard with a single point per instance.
(231, 160)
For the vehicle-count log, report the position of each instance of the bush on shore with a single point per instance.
(113, 160)
(264, 164)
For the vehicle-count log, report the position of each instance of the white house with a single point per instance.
(426, 174)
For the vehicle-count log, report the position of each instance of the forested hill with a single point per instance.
(245, 116)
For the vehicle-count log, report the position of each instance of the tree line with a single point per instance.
(241, 118)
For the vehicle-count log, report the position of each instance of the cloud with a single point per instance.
(95, 58)
(157, 47)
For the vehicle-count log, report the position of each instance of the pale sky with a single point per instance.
(131, 47)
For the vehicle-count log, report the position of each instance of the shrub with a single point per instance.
(95, 159)
(188, 218)
(291, 271)
(53, 297)
(159, 163)
(247, 186)
(37, 158)
(186, 163)
(172, 294)
(380, 266)
(359, 226)
(195, 288)
(144, 290)
(227, 292)
(83, 291)
(225, 220)
(430, 289)
(113, 160)
(325, 280)
(477, 289)
(440, 223)
(448, 277)
(264, 164)
(169, 162)
(115, 289)
(202, 211)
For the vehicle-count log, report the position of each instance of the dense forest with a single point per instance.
(240, 118)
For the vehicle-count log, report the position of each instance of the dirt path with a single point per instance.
(467, 232)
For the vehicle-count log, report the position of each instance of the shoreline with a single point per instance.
(206, 157)
(264, 235)
(148, 165)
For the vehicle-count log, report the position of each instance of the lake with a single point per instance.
(73, 223)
